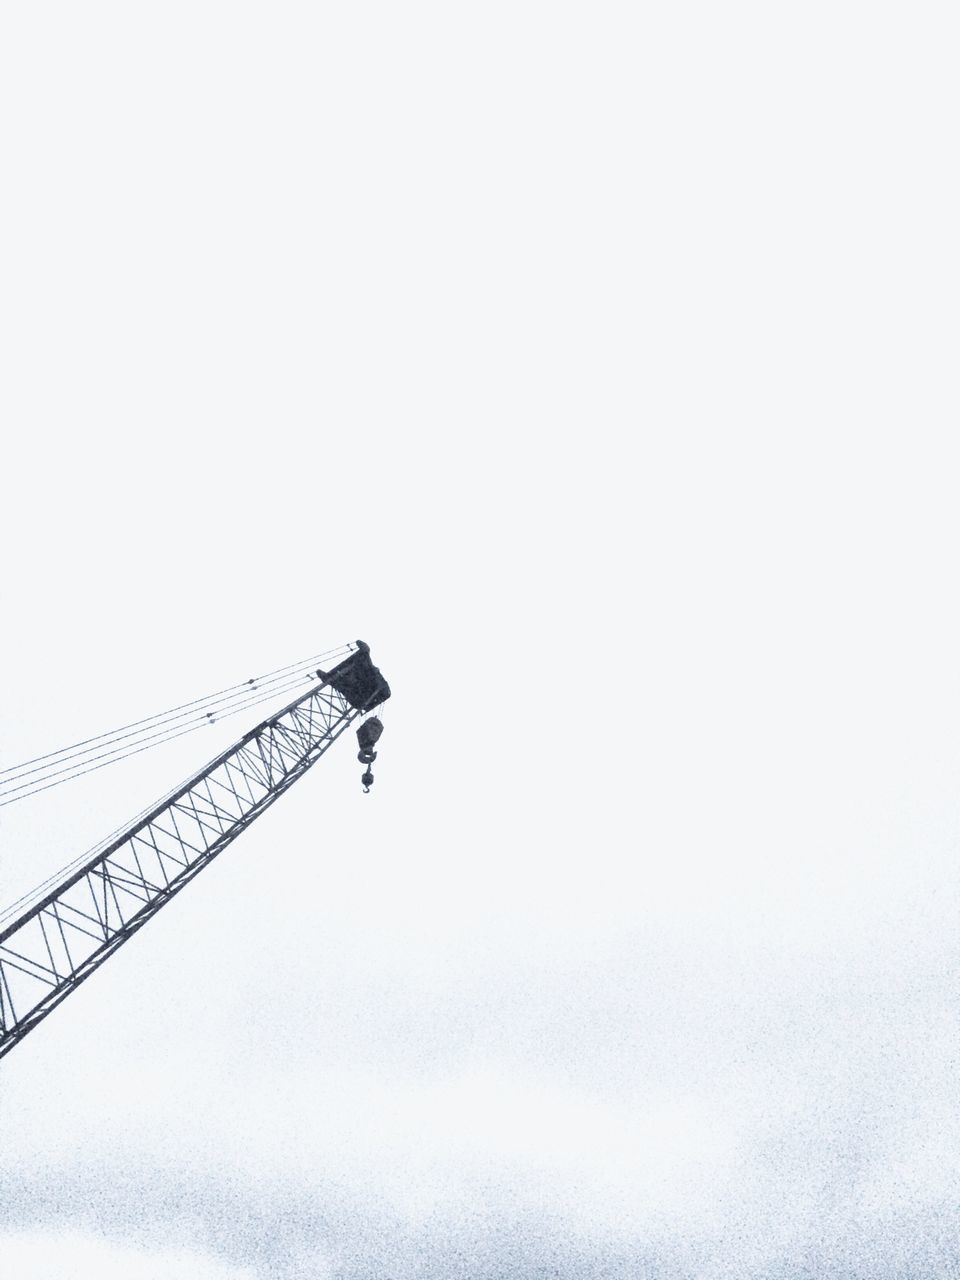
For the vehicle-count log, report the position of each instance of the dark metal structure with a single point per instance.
(368, 735)
(60, 940)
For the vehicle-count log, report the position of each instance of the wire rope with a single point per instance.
(178, 712)
(221, 709)
(33, 895)
(52, 778)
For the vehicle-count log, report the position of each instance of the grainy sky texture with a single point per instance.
(597, 365)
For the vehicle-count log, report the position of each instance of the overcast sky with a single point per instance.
(597, 365)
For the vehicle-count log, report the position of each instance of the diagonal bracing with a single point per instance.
(58, 942)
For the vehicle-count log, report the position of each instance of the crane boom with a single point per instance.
(61, 939)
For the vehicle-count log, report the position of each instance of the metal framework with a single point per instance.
(59, 941)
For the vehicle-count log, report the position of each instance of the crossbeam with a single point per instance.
(58, 942)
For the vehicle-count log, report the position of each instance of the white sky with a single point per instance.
(596, 365)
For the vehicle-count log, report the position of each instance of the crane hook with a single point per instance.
(367, 736)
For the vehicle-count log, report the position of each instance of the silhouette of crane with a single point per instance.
(59, 940)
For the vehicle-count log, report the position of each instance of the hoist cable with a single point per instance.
(38, 891)
(35, 894)
(112, 756)
(21, 790)
(211, 712)
(221, 695)
(233, 691)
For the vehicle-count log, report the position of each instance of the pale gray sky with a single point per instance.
(595, 365)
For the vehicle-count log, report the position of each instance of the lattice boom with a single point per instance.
(61, 940)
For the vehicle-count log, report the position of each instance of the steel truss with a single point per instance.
(62, 939)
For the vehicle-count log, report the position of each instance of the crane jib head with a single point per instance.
(358, 680)
(363, 686)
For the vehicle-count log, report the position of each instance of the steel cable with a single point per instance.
(89, 764)
(139, 728)
(227, 706)
(23, 902)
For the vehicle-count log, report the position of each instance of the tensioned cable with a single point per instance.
(152, 722)
(82, 767)
(113, 755)
(219, 708)
(18, 789)
(48, 770)
(38, 891)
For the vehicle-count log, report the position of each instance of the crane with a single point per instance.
(62, 938)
